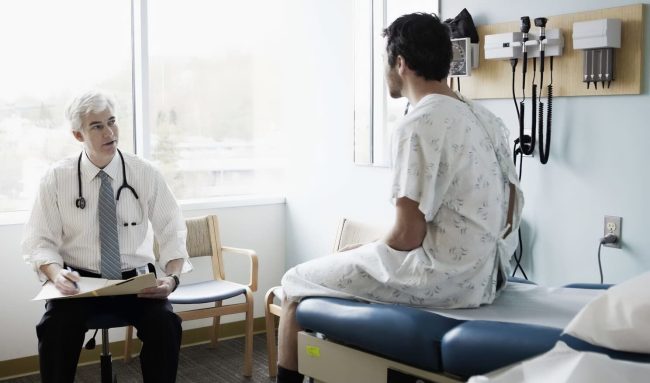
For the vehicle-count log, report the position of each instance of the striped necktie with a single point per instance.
(110, 246)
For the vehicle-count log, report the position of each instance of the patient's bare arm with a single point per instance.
(409, 228)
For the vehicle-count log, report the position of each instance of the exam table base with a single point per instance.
(330, 362)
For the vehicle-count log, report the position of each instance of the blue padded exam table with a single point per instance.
(352, 341)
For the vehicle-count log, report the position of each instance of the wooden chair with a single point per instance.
(349, 232)
(203, 241)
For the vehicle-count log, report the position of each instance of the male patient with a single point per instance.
(453, 185)
(83, 220)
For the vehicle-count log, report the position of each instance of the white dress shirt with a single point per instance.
(58, 231)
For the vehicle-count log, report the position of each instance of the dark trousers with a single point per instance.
(62, 329)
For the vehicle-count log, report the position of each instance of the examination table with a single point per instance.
(352, 341)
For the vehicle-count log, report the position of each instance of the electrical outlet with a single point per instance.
(613, 226)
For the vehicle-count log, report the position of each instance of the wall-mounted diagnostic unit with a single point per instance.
(464, 45)
(464, 57)
(511, 45)
(522, 46)
(600, 30)
(597, 39)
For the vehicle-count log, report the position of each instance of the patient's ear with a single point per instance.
(402, 66)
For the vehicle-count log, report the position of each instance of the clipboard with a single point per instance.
(99, 287)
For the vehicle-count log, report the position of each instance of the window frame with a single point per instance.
(140, 76)
(371, 141)
(143, 114)
(140, 91)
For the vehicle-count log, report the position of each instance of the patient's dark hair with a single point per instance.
(423, 41)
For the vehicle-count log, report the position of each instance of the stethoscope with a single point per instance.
(81, 201)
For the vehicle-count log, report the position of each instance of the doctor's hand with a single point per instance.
(66, 281)
(165, 286)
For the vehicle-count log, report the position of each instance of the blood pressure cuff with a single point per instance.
(463, 26)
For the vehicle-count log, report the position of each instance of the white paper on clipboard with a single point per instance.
(99, 287)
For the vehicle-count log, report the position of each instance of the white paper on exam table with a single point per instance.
(529, 304)
(563, 364)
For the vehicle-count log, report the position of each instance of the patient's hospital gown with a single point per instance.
(451, 157)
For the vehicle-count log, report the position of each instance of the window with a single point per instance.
(375, 120)
(214, 113)
(212, 123)
(46, 61)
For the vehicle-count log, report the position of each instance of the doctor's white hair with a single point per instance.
(94, 101)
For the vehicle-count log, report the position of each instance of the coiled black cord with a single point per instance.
(545, 148)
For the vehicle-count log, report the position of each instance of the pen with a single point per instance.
(76, 286)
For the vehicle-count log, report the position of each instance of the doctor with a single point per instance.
(78, 228)
(453, 184)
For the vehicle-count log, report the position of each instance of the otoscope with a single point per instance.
(541, 23)
(525, 28)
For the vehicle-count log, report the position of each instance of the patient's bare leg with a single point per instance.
(288, 336)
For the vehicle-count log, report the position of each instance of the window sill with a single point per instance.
(232, 201)
(21, 217)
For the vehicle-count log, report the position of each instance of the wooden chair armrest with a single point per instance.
(252, 284)
(271, 307)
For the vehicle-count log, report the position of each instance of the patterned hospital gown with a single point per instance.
(451, 157)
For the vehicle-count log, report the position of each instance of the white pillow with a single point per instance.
(618, 319)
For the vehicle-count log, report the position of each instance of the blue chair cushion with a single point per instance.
(400, 333)
(205, 292)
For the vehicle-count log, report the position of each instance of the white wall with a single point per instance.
(261, 228)
(597, 165)
(326, 185)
